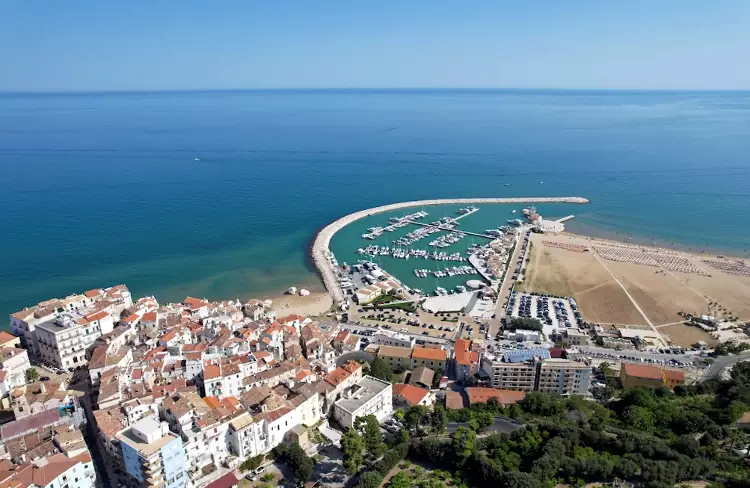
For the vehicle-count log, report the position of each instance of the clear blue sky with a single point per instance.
(185, 44)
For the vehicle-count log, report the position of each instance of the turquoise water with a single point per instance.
(103, 188)
(347, 241)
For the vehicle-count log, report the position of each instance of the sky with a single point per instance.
(88, 45)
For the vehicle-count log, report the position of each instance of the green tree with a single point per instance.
(416, 416)
(32, 375)
(400, 480)
(300, 463)
(399, 415)
(485, 419)
(640, 418)
(252, 462)
(439, 419)
(464, 443)
(371, 435)
(352, 446)
(380, 369)
(370, 479)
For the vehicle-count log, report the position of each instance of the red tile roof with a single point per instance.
(409, 393)
(429, 353)
(642, 371)
(227, 481)
(674, 375)
(504, 397)
(454, 400)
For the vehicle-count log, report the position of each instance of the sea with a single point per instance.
(218, 194)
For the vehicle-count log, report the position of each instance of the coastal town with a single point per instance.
(103, 388)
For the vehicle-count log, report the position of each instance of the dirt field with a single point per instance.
(659, 294)
(686, 335)
(580, 275)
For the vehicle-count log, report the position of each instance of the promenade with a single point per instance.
(320, 248)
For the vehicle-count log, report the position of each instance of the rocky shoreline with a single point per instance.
(320, 251)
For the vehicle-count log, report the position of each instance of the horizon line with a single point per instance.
(370, 89)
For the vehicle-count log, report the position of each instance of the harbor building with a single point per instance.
(154, 456)
(369, 396)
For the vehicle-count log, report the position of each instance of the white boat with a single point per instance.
(196, 159)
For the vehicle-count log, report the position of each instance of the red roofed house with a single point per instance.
(410, 395)
(465, 361)
(642, 375)
(198, 308)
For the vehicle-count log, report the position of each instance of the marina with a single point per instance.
(353, 226)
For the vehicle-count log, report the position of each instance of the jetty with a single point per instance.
(451, 229)
(565, 219)
(320, 251)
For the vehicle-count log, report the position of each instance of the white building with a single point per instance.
(15, 362)
(369, 396)
(390, 338)
(64, 340)
(54, 471)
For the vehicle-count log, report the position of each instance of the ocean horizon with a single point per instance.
(218, 194)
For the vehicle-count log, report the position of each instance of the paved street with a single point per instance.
(505, 287)
(722, 362)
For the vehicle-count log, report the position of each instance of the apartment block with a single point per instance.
(369, 396)
(153, 456)
(538, 374)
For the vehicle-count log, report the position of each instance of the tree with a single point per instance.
(371, 435)
(300, 463)
(370, 479)
(252, 462)
(399, 415)
(485, 419)
(400, 480)
(639, 418)
(439, 419)
(525, 323)
(439, 373)
(380, 369)
(464, 442)
(32, 375)
(415, 416)
(352, 446)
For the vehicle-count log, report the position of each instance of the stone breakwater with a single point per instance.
(320, 251)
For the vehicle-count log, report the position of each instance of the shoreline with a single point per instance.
(320, 247)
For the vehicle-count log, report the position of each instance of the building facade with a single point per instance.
(153, 456)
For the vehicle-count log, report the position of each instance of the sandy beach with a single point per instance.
(613, 284)
(310, 306)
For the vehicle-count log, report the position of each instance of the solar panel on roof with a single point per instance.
(522, 355)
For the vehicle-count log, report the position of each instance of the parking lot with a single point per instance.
(553, 312)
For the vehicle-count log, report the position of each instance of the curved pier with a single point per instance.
(323, 239)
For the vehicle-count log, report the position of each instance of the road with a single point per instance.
(504, 292)
(722, 362)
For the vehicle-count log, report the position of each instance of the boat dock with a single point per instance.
(450, 229)
(565, 219)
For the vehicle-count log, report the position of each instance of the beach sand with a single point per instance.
(315, 304)
(660, 293)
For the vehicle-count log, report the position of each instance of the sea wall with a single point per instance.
(323, 239)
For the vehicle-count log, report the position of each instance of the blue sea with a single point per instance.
(218, 194)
